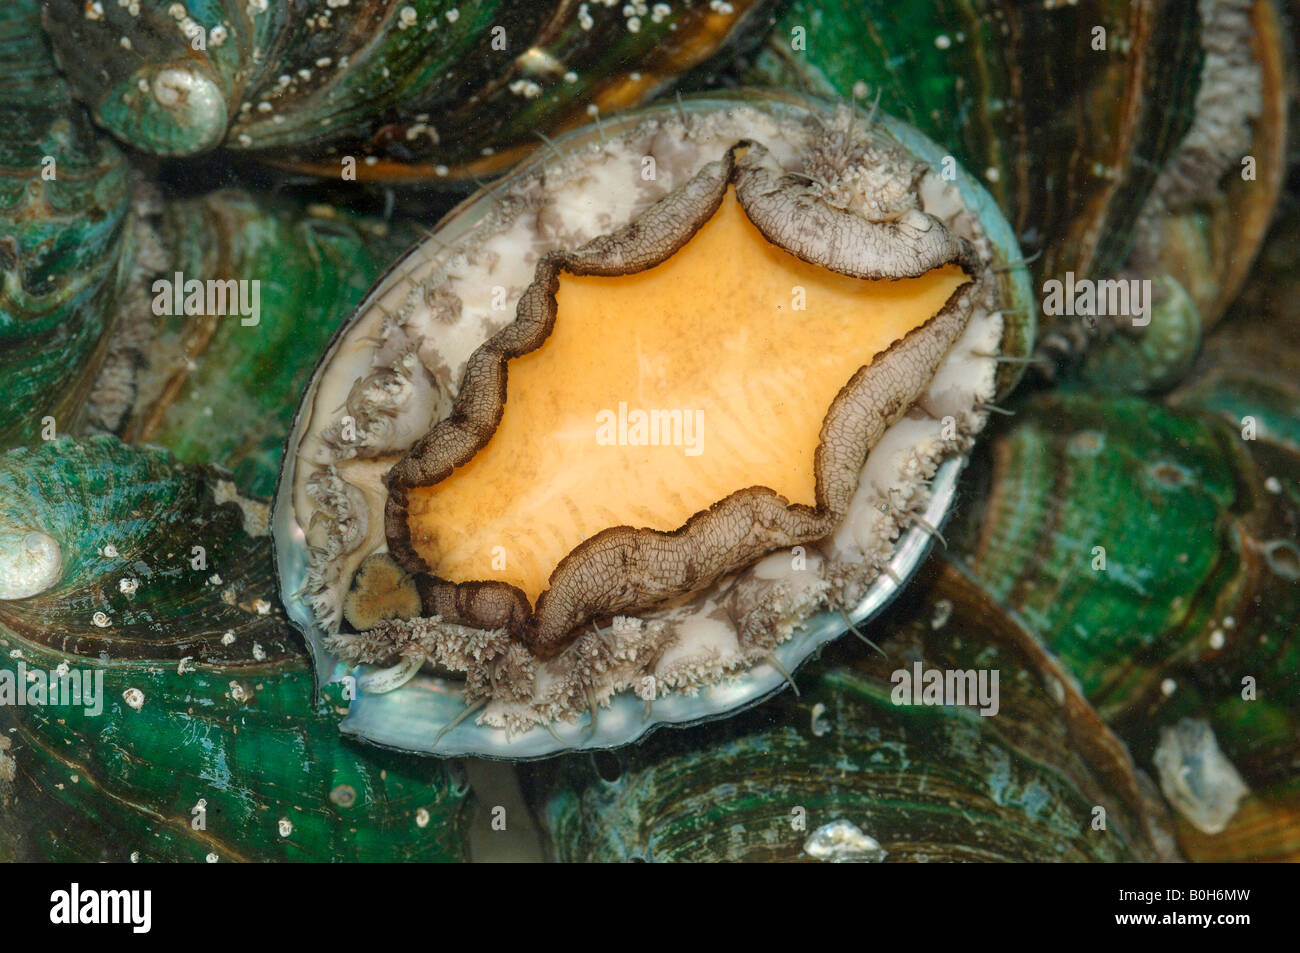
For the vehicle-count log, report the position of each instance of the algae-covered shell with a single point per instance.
(388, 89)
(1245, 688)
(855, 769)
(64, 237)
(87, 341)
(154, 704)
(410, 340)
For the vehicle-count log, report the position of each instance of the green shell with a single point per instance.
(1249, 370)
(64, 236)
(207, 707)
(406, 88)
(926, 783)
(222, 388)
(1106, 584)
(1144, 546)
(963, 73)
(1249, 378)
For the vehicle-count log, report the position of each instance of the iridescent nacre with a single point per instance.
(1152, 549)
(212, 383)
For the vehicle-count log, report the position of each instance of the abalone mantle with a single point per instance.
(414, 388)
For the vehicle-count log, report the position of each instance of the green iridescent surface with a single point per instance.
(225, 713)
(1248, 378)
(64, 236)
(1154, 357)
(1199, 590)
(213, 388)
(1032, 539)
(1250, 367)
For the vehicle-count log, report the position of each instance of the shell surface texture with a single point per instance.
(764, 430)
(391, 89)
(152, 686)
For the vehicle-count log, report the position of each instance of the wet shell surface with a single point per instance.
(154, 703)
(695, 617)
(216, 378)
(385, 89)
(1128, 566)
(65, 237)
(1176, 615)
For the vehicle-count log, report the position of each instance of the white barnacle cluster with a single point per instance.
(189, 27)
(397, 369)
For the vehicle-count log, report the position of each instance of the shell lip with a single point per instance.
(408, 720)
(283, 526)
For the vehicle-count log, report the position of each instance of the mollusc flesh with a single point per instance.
(640, 427)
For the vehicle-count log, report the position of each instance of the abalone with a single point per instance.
(800, 285)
